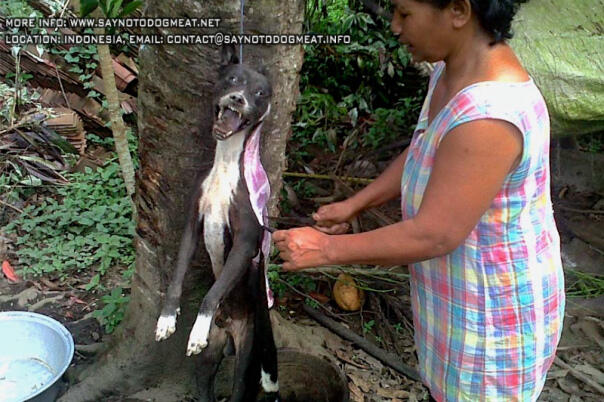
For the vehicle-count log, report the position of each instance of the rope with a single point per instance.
(241, 32)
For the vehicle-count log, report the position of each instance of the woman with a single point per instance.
(477, 231)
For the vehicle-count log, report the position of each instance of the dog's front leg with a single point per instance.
(235, 267)
(166, 324)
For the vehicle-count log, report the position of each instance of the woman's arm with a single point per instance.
(469, 168)
(386, 187)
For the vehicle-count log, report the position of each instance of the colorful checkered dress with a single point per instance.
(488, 316)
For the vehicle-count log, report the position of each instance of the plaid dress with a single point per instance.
(488, 316)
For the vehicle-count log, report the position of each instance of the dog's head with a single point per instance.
(241, 97)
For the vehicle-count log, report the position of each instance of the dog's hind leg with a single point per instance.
(246, 377)
(235, 267)
(208, 363)
(265, 342)
(166, 324)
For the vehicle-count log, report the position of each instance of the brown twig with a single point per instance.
(61, 85)
(300, 293)
(327, 177)
(11, 206)
(579, 376)
(389, 359)
(579, 210)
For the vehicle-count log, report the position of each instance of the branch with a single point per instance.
(579, 376)
(327, 177)
(389, 359)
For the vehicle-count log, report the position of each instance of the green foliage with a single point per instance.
(114, 309)
(83, 60)
(18, 9)
(584, 285)
(89, 223)
(362, 92)
(368, 326)
(593, 143)
(8, 97)
(110, 8)
(279, 281)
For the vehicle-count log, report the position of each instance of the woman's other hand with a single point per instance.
(333, 218)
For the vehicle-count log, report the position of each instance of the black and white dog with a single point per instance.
(228, 206)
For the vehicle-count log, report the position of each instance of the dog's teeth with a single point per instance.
(220, 114)
(239, 113)
(229, 133)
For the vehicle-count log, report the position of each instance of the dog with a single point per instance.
(228, 206)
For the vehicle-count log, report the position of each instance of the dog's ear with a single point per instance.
(262, 69)
(228, 55)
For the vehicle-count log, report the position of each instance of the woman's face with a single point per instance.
(422, 28)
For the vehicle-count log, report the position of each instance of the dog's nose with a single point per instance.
(237, 98)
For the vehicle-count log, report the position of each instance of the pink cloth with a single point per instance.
(259, 190)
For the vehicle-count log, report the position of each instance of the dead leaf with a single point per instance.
(356, 395)
(393, 393)
(592, 330)
(363, 384)
(320, 297)
(593, 372)
(9, 272)
(346, 358)
(553, 374)
(569, 386)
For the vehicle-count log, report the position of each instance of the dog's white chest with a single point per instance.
(217, 195)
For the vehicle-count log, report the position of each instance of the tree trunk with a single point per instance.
(175, 117)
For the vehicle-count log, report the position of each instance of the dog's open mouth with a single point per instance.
(228, 121)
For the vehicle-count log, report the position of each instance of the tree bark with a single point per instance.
(175, 118)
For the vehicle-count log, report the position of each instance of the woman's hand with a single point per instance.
(333, 218)
(301, 248)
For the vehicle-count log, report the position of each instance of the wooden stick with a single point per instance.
(327, 177)
(581, 211)
(389, 359)
(579, 376)
(11, 206)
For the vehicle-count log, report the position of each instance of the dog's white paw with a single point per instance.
(166, 326)
(267, 384)
(198, 339)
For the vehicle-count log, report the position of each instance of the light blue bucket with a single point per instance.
(35, 351)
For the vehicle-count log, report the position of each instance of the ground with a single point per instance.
(577, 374)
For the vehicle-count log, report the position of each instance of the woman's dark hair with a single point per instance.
(495, 16)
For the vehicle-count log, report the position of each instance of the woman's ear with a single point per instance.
(461, 11)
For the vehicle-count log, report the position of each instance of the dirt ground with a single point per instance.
(577, 374)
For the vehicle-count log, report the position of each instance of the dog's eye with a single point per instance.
(259, 92)
(232, 78)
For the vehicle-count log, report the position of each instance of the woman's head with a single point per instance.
(495, 16)
(430, 28)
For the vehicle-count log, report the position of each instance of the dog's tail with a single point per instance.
(264, 340)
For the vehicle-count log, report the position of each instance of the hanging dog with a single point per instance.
(228, 207)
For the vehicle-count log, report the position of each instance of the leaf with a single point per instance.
(76, 69)
(115, 6)
(130, 8)
(94, 282)
(59, 141)
(70, 59)
(8, 271)
(38, 161)
(390, 69)
(43, 173)
(87, 7)
(103, 5)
